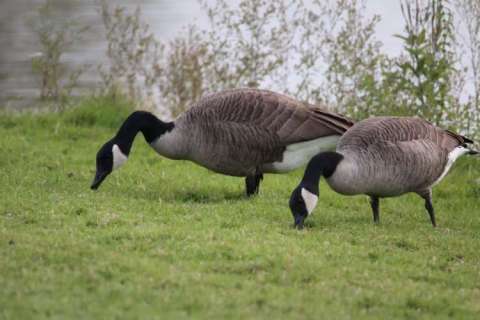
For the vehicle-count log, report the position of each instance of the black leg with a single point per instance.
(374, 202)
(427, 195)
(252, 184)
(431, 212)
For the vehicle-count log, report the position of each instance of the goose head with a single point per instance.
(304, 197)
(109, 157)
(302, 203)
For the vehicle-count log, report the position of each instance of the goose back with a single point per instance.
(397, 129)
(235, 132)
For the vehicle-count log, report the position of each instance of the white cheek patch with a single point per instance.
(118, 157)
(310, 200)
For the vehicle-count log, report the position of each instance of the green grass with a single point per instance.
(168, 239)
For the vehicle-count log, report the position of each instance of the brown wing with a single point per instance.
(399, 129)
(288, 119)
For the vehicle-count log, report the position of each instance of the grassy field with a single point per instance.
(168, 239)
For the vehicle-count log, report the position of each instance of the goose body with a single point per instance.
(242, 132)
(387, 157)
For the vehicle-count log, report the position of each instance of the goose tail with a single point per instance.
(335, 121)
(471, 151)
(465, 142)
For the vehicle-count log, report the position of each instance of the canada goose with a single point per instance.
(382, 157)
(241, 132)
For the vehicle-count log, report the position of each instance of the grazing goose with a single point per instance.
(382, 157)
(242, 132)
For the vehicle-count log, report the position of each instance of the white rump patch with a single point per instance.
(118, 157)
(452, 157)
(298, 154)
(310, 200)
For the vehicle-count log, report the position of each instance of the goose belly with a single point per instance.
(298, 154)
(225, 159)
(225, 165)
(379, 179)
(370, 185)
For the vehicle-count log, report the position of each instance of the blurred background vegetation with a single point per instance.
(323, 52)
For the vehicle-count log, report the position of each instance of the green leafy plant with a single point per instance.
(427, 67)
(468, 12)
(249, 43)
(134, 55)
(55, 35)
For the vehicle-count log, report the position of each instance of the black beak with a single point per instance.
(299, 222)
(99, 177)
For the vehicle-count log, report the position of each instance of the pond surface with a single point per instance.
(18, 85)
(19, 45)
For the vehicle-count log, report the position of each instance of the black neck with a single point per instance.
(323, 164)
(150, 126)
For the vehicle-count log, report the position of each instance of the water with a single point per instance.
(18, 85)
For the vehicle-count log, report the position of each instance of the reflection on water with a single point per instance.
(18, 44)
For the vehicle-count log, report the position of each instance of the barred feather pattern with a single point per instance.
(389, 156)
(235, 132)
